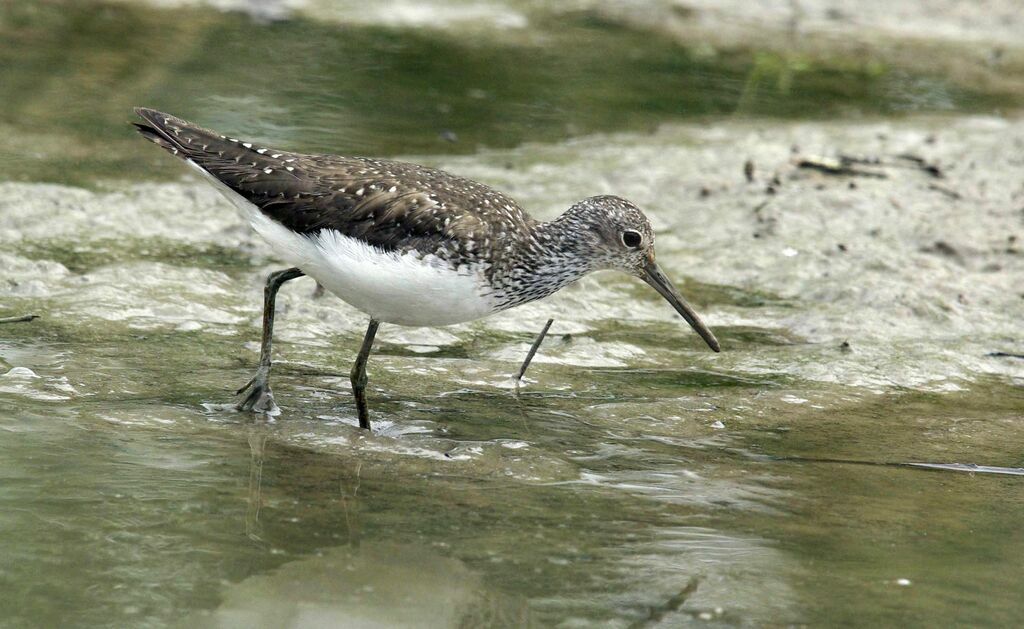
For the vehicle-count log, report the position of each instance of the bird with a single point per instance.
(407, 244)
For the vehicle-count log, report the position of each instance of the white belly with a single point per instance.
(404, 289)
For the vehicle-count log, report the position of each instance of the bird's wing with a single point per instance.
(388, 204)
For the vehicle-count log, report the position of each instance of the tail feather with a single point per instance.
(154, 136)
(259, 174)
(177, 136)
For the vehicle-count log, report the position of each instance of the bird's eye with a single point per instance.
(632, 239)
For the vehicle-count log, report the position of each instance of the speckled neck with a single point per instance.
(554, 255)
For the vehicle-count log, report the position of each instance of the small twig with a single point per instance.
(671, 606)
(973, 468)
(837, 167)
(922, 164)
(952, 194)
(846, 160)
(1005, 355)
(28, 317)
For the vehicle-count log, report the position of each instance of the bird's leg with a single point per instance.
(359, 374)
(533, 349)
(260, 399)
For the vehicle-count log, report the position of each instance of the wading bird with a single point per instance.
(407, 244)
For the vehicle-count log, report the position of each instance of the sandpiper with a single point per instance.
(407, 244)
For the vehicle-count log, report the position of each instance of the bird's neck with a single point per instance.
(551, 257)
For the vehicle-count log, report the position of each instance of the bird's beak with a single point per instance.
(652, 274)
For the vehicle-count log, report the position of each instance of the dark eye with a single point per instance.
(632, 239)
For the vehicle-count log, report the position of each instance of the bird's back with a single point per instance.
(395, 206)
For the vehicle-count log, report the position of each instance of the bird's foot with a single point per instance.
(260, 398)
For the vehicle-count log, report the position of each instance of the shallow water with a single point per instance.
(636, 479)
(72, 71)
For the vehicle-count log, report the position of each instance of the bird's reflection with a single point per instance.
(379, 582)
(350, 504)
(257, 433)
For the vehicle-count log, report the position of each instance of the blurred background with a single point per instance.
(837, 187)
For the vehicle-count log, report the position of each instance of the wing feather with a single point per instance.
(388, 204)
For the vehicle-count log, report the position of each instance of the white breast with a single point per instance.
(406, 289)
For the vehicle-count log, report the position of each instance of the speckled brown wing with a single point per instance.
(392, 205)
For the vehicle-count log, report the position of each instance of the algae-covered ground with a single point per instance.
(844, 205)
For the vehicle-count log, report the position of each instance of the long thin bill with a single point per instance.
(653, 276)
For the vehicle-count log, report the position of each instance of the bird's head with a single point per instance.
(618, 236)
